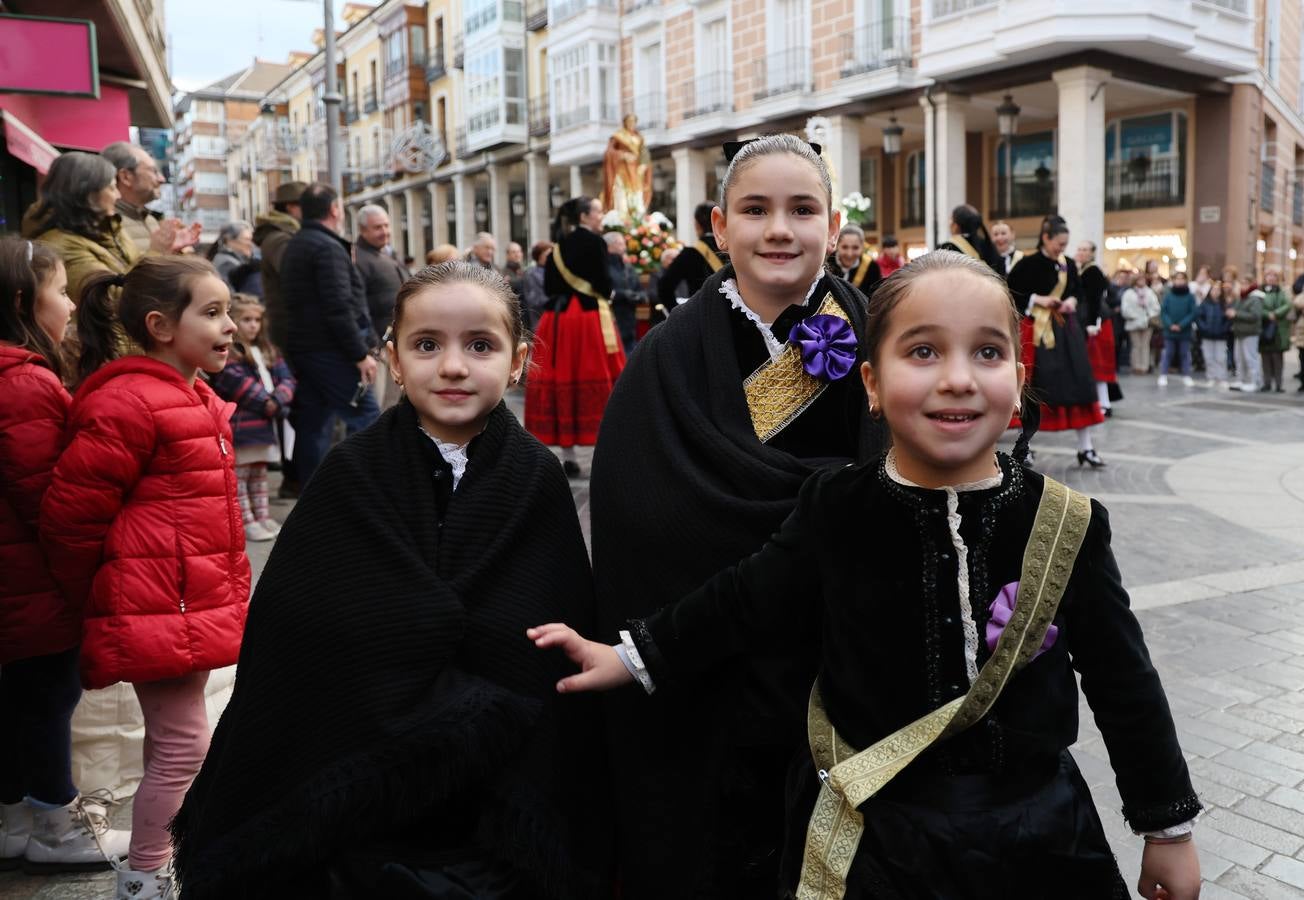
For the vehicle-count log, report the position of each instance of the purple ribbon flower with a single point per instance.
(1001, 609)
(827, 345)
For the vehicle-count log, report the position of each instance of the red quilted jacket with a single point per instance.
(142, 526)
(35, 620)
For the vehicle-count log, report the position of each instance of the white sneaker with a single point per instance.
(15, 830)
(1223, 386)
(254, 531)
(1188, 381)
(134, 885)
(271, 526)
(74, 838)
(1163, 381)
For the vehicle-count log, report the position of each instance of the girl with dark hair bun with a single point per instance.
(969, 236)
(578, 353)
(45, 821)
(1046, 289)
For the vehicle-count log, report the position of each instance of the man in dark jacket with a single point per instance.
(625, 292)
(272, 232)
(383, 275)
(695, 263)
(331, 338)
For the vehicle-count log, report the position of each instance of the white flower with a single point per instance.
(612, 220)
(659, 219)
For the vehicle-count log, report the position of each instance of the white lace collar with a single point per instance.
(730, 289)
(453, 454)
(982, 484)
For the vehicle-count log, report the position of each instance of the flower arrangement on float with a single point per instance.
(645, 240)
(855, 208)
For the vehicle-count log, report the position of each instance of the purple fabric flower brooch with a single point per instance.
(1001, 609)
(827, 345)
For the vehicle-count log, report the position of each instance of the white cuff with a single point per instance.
(1172, 831)
(633, 662)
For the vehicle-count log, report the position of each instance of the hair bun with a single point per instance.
(118, 280)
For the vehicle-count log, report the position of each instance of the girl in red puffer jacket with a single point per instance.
(142, 525)
(45, 823)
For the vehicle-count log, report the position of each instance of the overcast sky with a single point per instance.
(210, 39)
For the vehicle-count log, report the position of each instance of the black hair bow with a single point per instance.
(731, 148)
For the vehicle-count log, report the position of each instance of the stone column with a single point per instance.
(464, 205)
(690, 189)
(500, 209)
(416, 232)
(538, 209)
(1081, 142)
(576, 182)
(944, 159)
(843, 155)
(439, 213)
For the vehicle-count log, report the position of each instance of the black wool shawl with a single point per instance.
(682, 487)
(385, 681)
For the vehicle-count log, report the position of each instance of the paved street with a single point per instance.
(1206, 495)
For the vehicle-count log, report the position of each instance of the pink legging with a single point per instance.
(176, 739)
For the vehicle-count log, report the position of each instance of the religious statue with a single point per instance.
(627, 173)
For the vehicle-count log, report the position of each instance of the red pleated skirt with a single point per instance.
(1028, 356)
(1070, 418)
(1101, 354)
(573, 373)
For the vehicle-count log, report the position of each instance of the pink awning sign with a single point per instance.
(40, 55)
(26, 144)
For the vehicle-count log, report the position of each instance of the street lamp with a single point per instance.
(1007, 124)
(892, 138)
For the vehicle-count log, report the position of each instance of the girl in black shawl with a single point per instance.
(969, 236)
(391, 734)
(709, 435)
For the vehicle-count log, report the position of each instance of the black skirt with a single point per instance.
(972, 837)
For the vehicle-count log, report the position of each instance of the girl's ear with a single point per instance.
(870, 379)
(717, 226)
(1021, 372)
(835, 225)
(161, 329)
(519, 357)
(395, 371)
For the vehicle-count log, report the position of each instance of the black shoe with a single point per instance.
(1279, 390)
(1090, 457)
(1108, 411)
(571, 468)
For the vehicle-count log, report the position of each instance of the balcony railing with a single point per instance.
(352, 184)
(650, 109)
(374, 179)
(951, 7)
(369, 104)
(536, 15)
(539, 124)
(1268, 187)
(563, 120)
(436, 68)
(459, 51)
(1236, 6)
(562, 10)
(631, 5)
(1143, 183)
(879, 45)
(418, 56)
(783, 73)
(351, 111)
(1024, 195)
(710, 93)
(459, 143)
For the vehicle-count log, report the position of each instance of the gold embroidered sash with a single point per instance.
(709, 255)
(849, 778)
(965, 247)
(862, 270)
(1043, 329)
(582, 286)
(779, 390)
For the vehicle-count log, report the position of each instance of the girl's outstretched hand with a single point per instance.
(1170, 872)
(600, 667)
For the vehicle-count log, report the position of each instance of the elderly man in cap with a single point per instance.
(139, 181)
(272, 231)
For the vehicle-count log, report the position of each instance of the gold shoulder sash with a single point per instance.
(1043, 329)
(862, 270)
(780, 390)
(582, 286)
(849, 778)
(965, 247)
(709, 255)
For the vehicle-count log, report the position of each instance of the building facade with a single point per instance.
(1168, 129)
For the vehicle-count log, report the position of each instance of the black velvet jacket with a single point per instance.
(585, 255)
(865, 570)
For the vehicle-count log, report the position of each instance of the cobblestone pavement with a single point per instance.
(1206, 498)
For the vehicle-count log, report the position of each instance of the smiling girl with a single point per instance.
(950, 596)
(721, 415)
(439, 759)
(142, 526)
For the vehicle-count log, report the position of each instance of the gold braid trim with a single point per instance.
(708, 254)
(849, 778)
(862, 270)
(779, 390)
(582, 286)
(1043, 329)
(965, 247)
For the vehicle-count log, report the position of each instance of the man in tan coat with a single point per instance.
(139, 181)
(272, 231)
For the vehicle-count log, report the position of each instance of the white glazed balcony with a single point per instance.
(1210, 37)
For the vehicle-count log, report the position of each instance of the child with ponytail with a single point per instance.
(143, 529)
(46, 825)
